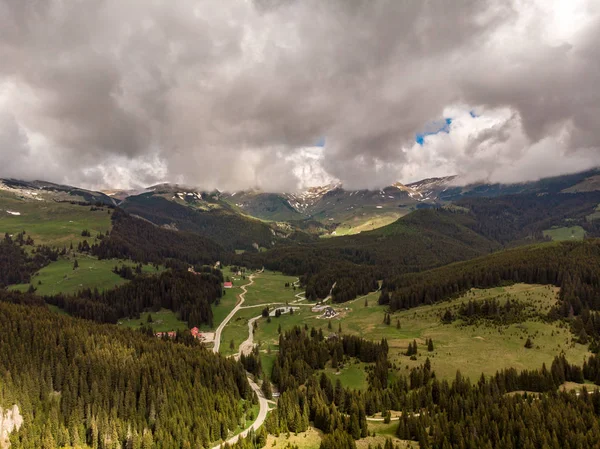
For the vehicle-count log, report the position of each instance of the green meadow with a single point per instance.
(311, 439)
(351, 375)
(472, 349)
(565, 233)
(161, 321)
(60, 277)
(49, 222)
(237, 330)
(269, 287)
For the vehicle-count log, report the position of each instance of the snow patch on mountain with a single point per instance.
(304, 200)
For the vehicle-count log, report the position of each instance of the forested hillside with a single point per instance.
(189, 295)
(421, 240)
(16, 265)
(230, 230)
(517, 218)
(573, 266)
(139, 240)
(435, 413)
(77, 382)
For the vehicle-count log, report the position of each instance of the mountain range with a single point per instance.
(259, 219)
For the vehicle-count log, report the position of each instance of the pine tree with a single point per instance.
(430, 345)
(266, 389)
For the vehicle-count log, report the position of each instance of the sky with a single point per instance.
(285, 94)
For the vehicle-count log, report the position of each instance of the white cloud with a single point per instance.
(229, 94)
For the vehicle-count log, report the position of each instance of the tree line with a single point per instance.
(573, 266)
(189, 295)
(421, 240)
(80, 383)
(17, 265)
(139, 240)
(482, 415)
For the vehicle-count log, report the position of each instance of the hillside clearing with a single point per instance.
(472, 349)
(162, 321)
(51, 223)
(60, 277)
(565, 233)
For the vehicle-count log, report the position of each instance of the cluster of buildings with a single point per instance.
(196, 333)
(328, 311)
(170, 334)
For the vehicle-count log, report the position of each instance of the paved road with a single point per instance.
(262, 401)
(217, 344)
(260, 419)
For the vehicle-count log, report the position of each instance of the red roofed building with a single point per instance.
(171, 334)
(227, 284)
(195, 332)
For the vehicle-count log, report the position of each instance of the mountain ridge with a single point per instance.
(328, 210)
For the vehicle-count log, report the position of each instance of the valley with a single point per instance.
(299, 224)
(347, 335)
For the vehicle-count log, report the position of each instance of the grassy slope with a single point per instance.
(352, 375)
(237, 330)
(221, 224)
(228, 301)
(162, 321)
(60, 224)
(487, 349)
(595, 215)
(472, 349)
(59, 276)
(565, 233)
(368, 221)
(311, 439)
(264, 206)
(51, 223)
(269, 287)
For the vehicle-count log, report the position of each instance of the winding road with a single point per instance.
(262, 401)
(246, 348)
(260, 419)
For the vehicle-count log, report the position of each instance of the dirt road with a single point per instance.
(248, 344)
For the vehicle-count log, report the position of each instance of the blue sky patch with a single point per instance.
(440, 126)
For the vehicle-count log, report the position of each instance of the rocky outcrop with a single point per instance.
(10, 420)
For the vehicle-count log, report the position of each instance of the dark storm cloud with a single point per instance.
(224, 94)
